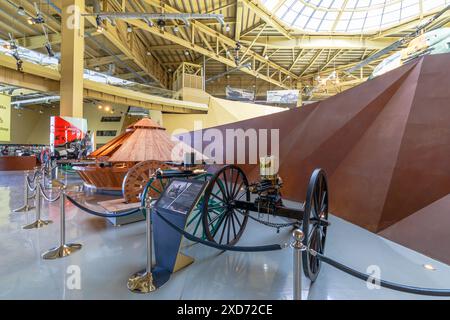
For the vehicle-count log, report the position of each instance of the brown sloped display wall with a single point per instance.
(385, 146)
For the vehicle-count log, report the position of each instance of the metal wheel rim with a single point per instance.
(315, 234)
(227, 217)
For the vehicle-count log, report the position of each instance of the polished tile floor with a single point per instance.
(111, 254)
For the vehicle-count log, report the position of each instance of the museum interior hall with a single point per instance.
(224, 150)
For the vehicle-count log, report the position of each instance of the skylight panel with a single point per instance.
(356, 16)
(352, 3)
(326, 3)
(270, 4)
(336, 4)
(410, 11)
(326, 25)
(280, 13)
(390, 17)
(341, 26)
(298, 6)
(378, 2)
(313, 24)
(355, 25)
(430, 5)
(290, 16)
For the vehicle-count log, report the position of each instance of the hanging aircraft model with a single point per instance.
(417, 44)
(400, 43)
(432, 42)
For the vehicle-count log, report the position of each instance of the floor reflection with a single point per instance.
(111, 254)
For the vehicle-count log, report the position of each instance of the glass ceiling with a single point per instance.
(349, 16)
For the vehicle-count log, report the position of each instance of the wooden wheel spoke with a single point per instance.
(224, 174)
(215, 218)
(235, 184)
(240, 211)
(230, 217)
(232, 221)
(240, 197)
(322, 202)
(236, 192)
(237, 218)
(316, 202)
(310, 234)
(217, 207)
(223, 192)
(197, 225)
(223, 228)
(217, 197)
(224, 186)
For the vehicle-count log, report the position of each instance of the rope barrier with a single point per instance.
(189, 236)
(277, 226)
(47, 197)
(383, 283)
(32, 188)
(101, 214)
(34, 177)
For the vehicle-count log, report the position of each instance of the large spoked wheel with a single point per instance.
(315, 231)
(194, 223)
(222, 222)
(138, 176)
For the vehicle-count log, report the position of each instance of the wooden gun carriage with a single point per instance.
(223, 211)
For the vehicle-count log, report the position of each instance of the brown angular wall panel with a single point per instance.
(385, 146)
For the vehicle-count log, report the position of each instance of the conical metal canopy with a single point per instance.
(143, 140)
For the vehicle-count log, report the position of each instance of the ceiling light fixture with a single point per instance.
(429, 267)
(175, 29)
(49, 49)
(21, 11)
(129, 29)
(186, 53)
(227, 28)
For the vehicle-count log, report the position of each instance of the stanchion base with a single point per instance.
(141, 282)
(61, 251)
(24, 208)
(37, 224)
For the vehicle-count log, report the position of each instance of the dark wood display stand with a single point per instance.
(13, 163)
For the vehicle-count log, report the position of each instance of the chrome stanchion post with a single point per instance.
(38, 223)
(35, 177)
(64, 249)
(26, 207)
(297, 245)
(142, 282)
